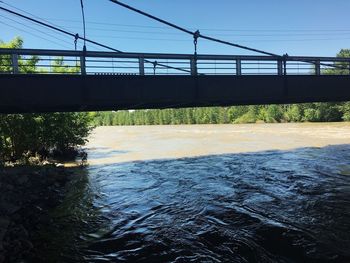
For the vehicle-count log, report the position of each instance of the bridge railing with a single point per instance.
(22, 61)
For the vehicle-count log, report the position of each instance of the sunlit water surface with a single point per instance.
(225, 193)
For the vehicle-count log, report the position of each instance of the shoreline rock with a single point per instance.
(27, 195)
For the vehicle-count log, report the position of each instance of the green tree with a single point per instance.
(25, 135)
(25, 65)
(271, 113)
(345, 107)
(293, 113)
(58, 66)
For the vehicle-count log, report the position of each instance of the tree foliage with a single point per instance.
(310, 112)
(26, 135)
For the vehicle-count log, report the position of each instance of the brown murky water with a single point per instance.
(223, 193)
(130, 143)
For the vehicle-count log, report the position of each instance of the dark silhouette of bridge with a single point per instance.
(113, 81)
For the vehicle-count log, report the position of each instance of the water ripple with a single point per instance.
(274, 206)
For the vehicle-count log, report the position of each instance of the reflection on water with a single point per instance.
(265, 206)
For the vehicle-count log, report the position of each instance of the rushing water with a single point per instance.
(226, 193)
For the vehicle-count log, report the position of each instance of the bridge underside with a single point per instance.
(48, 93)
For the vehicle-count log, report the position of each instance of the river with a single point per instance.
(209, 193)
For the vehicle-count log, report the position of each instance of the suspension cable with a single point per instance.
(197, 34)
(58, 29)
(84, 27)
(190, 32)
(152, 17)
(79, 37)
(238, 46)
(76, 37)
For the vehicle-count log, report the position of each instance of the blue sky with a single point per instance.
(298, 27)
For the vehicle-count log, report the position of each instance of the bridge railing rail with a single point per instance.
(22, 61)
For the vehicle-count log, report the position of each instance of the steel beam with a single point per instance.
(48, 93)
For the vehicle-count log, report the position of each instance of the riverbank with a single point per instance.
(27, 196)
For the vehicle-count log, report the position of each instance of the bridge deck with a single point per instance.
(112, 81)
(37, 93)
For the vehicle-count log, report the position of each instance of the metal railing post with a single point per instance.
(82, 65)
(284, 65)
(238, 67)
(279, 67)
(83, 61)
(155, 63)
(141, 66)
(14, 59)
(194, 70)
(238, 63)
(317, 67)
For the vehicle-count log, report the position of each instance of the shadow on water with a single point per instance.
(73, 216)
(104, 152)
(271, 206)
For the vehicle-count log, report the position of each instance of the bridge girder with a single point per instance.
(60, 93)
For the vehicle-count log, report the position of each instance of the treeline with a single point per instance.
(310, 112)
(23, 136)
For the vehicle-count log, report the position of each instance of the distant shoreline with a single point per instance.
(229, 124)
(290, 113)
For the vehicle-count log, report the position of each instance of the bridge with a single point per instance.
(88, 81)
